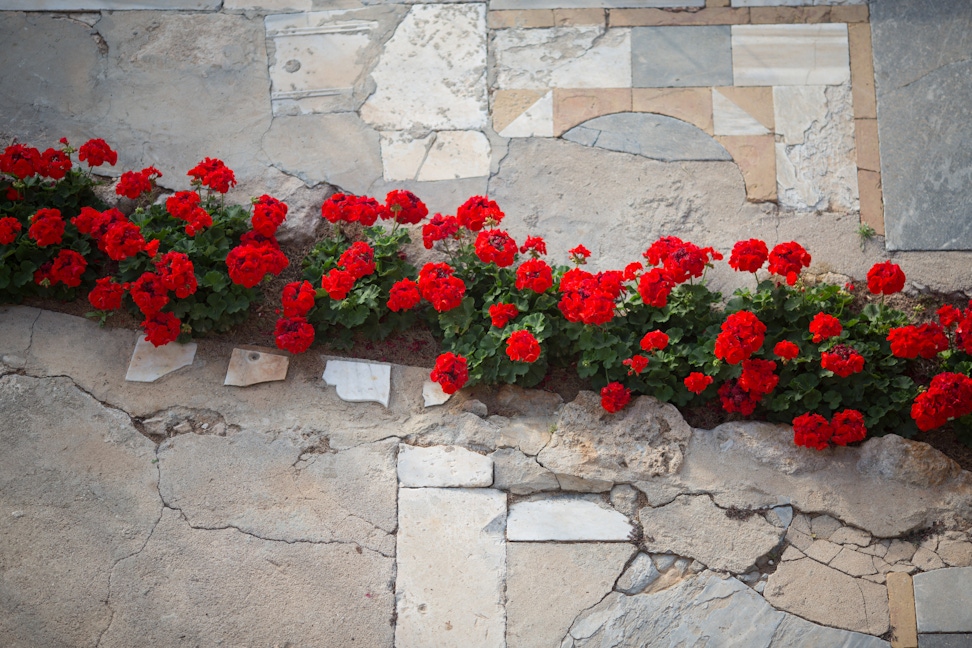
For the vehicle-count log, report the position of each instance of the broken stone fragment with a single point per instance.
(250, 367)
(359, 382)
(565, 518)
(639, 575)
(519, 474)
(443, 467)
(149, 362)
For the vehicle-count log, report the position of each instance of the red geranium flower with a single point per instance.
(177, 273)
(54, 164)
(46, 227)
(358, 260)
(926, 341)
(337, 283)
(96, 152)
(20, 161)
(824, 326)
(123, 239)
(742, 335)
(268, 214)
(654, 287)
(812, 431)
(682, 260)
(404, 295)
(451, 372)
(107, 295)
(696, 382)
(149, 293)
(133, 184)
(614, 397)
(736, 399)
(161, 328)
(588, 298)
(579, 254)
(438, 229)
(787, 260)
(842, 360)
(758, 378)
(948, 315)
(9, 227)
(294, 334)
(748, 256)
(885, 278)
(654, 340)
(948, 397)
(848, 427)
(404, 207)
(786, 350)
(213, 173)
(501, 314)
(439, 287)
(478, 211)
(963, 332)
(535, 245)
(495, 246)
(636, 364)
(67, 268)
(535, 275)
(297, 298)
(182, 203)
(632, 270)
(251, 261)
(521, 346)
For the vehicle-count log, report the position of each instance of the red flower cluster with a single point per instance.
(696, 382)
(495, 246)
(358, 260)
(255, 257)
(534, 245)
(20, 161)
(268, 214)
(54, 164)
(338, 283)
(654, 287)
(451, 371)
(842, 360)
(184, 205)
(478, 211)
(133, 184)
(587, 297)
(440, 288)
(96, 152)
(115, 235)
(736, 399)
(885, 278)
(948, 397)
(352, 209)
(748, 256)
(66, 268)
(579, 254)
(786, 350)
(815, 431)
(46, 227)
(787, 260)
(294, 334)
(161, 328)
(636, 364)
(107, 295)
(9, 227)
(297, 298)
(742, 335)
(522, 346)
(404, 295)
(501, 314)
(438, 229)
(680, 259)
(926, 340)
(848, 427)
(758, 378)
(614, 396)
(962, 321)
(214, 174)
(149, 293)
(177, 274)
(535, 275)
(824, 326)
(404, 207)
(654, 340)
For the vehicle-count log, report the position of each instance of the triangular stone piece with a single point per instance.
(757, 102)
(250, 367)
(433, 394)
(730, 119)
(536, 121)
(149, 362)
(510, 104)
(359, 382)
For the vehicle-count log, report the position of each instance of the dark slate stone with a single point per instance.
(923, 73)
(943, 600)
(666, 57)
(945, 641)
(652, 136)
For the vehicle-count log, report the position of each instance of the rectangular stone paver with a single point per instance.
(952, 640)
(572, 4)
(664, 57)
(775, 55)
(901, 604)
(451, 568)
(443, 466)
(107, 5)
(943, 600)
(566, 518)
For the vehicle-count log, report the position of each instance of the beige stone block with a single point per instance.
(692, 105)
(523, 18)
(901, 604)
(570, 17)
(862, 70)
(791, 15)
(866, 141)
(573, 107)
(659, 17)
(779, 55)
(756, 101)
(718, 3)
(510, 104)
(756, 157)
(849, 14)
(872, 201)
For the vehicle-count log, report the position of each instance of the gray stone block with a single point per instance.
(578, 4)
(649, 135)
(944, 640)
(108, 5)
(923, 76)
(665, 57)
(943, 599)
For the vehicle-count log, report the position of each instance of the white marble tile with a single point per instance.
(402, 156)
(456, 154)
(565, 518)
(250, 367)
(107, 5)
(796, 109)
(585, 4)
(562, 57)
(730, 119)
(268, 5)
(443, 467)
(433, 395)
(359, 382)
(771, 55)
(149, 362)
(536, 121)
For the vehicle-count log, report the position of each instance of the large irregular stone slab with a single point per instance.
(693, 526)
(922, 73)
(528, 434)
(819, 593)
(548, 585)
(666, 57)
(943, 599)
(586, 4)
(565, 519)
(77, 494)
(109, 5)
(652, 136)
(644, 440)
(451, 568)
(443, 48)
(16, 334)
(442, 467)
(216, 587)
(283, 487)
(722, 611)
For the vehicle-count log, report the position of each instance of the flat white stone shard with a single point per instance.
(250, 367)
(433, 394)
(359, 382)
(443, 466)
(149, 362)
(730, 119)
(535, 121)
(566, 519)
(777, 55)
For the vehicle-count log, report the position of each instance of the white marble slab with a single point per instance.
(535, 121)
(250, 367)
(565, 518)
(108, 5)
(149, 362)
(443, 467)
(433, 395)
(359, 382)
(730, 119)
(268, 5)
(772, 55)
(402, 155)
(584, 4)
(454, 155)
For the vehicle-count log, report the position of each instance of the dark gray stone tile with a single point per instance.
(945, 641)
(943, 600)
(666, 57)
(648, 135)
(580, 4)
(923, 74)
